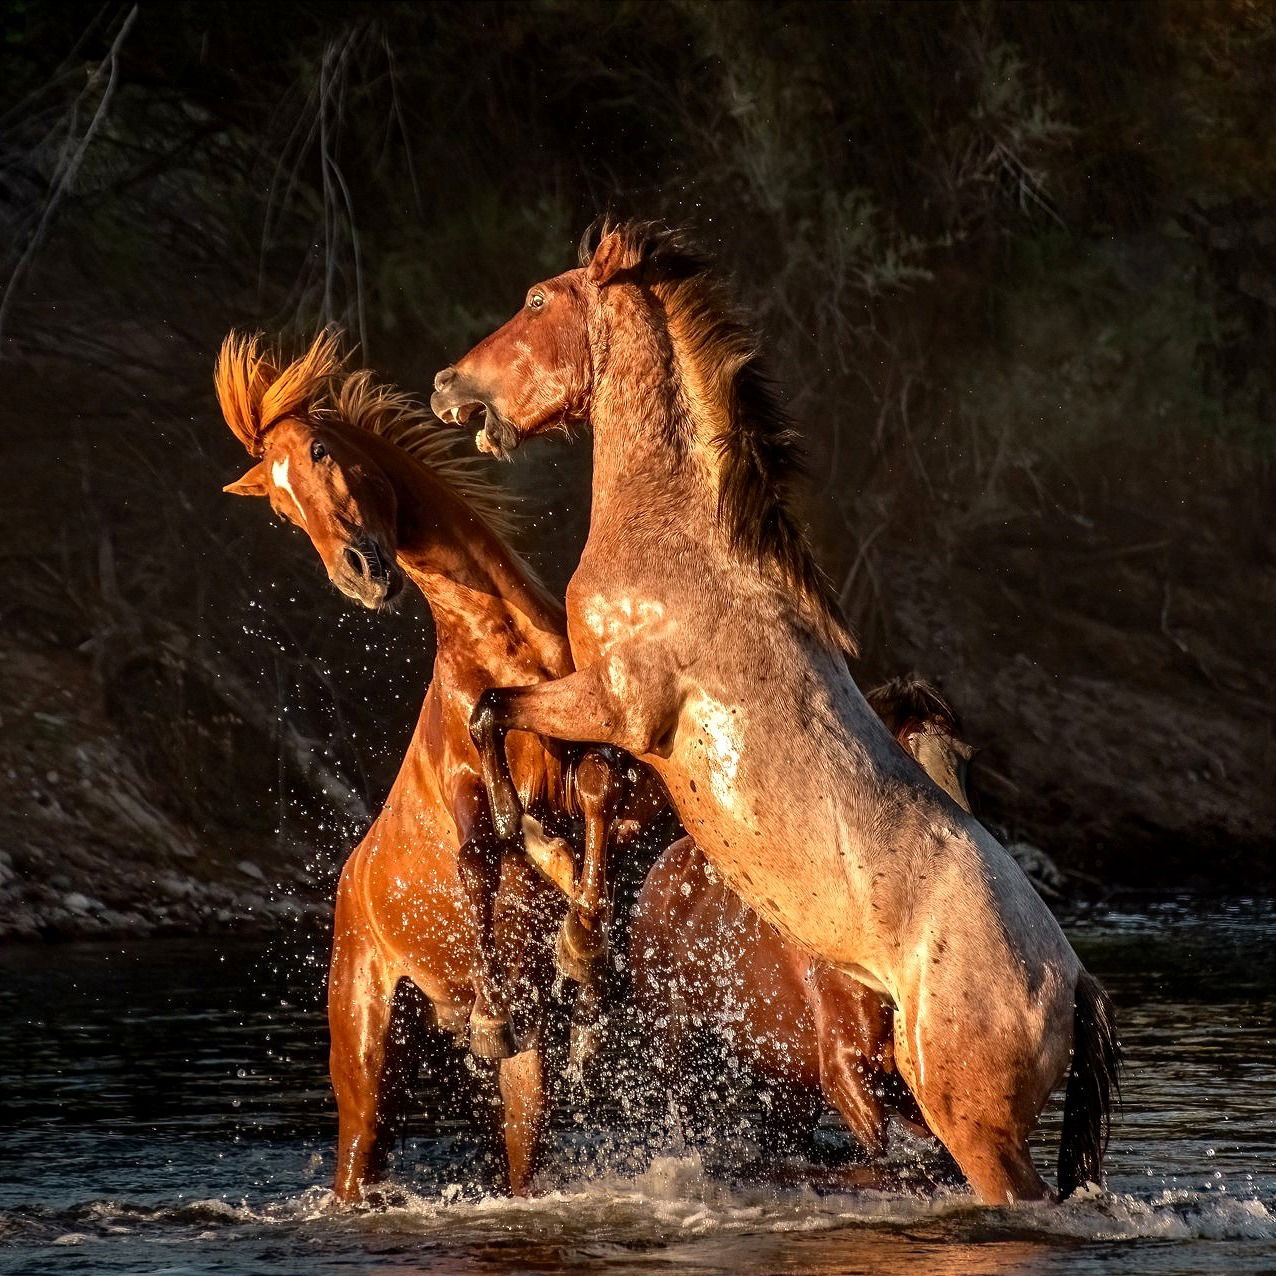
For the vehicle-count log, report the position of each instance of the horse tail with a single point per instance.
(1093, 1086)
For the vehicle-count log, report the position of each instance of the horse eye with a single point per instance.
(536, 301)
(317, 451)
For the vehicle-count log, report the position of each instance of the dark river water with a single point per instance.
(165, 1110)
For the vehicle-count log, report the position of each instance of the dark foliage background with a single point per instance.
(1016, 265)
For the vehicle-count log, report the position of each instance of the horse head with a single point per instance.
(317, 469)
(534, 374)
(926, 727)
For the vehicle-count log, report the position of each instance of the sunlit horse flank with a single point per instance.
(826, 829)
(369, 478)
(704, 962)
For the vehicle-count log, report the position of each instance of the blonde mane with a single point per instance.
(257, 389)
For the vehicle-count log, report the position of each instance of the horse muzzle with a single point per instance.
(457, 401)
(368, 574)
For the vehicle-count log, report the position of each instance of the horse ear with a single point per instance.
(253, 483)
(612, 255)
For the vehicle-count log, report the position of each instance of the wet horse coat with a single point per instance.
(430, 896)
(705, 645)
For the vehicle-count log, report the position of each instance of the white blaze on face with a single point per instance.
(279, 473)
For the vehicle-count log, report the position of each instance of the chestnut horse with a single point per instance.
(431, 895)
(809, 1033)
(706, 644)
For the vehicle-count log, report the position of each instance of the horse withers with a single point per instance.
(432, 896)
(706, 643)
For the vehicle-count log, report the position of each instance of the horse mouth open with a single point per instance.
(495, 435)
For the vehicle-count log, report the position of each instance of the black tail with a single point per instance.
(1093, 1085)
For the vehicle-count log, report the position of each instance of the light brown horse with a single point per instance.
(705, 643)
(431, 895)
(701, 957)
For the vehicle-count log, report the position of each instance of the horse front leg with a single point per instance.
(488, 731)
(586, 707)
(522, 1086)
(853, 1038)
(362, 1059)
(491, 1035)
(510, 1098)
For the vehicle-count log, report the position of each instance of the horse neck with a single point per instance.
(479, 591)
(649, 466)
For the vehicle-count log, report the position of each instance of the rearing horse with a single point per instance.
(431, 895)
(706, 644)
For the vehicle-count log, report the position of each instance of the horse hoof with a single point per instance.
(452, 1019)
(491, 1038)
(550, 856)
(576, 960)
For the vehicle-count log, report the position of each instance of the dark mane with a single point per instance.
(760, 452)
(367, 404)
(911, 699)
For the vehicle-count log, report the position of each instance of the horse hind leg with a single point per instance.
(491, 1035)
(369, 1061)
(509, 1098)
(981, 1096)
(581, 947)
(522, 1088)
(582, 939)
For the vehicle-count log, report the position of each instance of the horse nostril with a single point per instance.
(356, 562)
(444, 378)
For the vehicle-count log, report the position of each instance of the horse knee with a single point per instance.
(598, 781)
